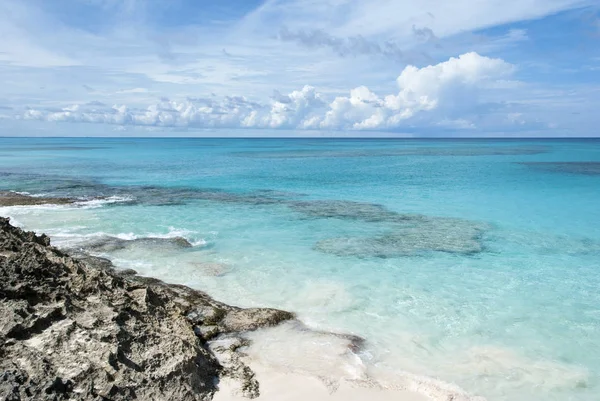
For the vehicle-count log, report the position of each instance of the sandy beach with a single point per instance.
(280, 386)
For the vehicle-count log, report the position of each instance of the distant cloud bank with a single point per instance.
(445, 91)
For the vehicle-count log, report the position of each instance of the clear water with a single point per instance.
(477, 269)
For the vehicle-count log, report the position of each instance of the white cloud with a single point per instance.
(449, 87)
(516, 118)
(53, 55)
(134, 90)
(291, 111)
(55, 60)
(443, 89)
(395, 19)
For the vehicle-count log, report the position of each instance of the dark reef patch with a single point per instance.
(341, 209)
(8, 198)
(409, 234)
(44, 148)
(426, 234)
(73, 190)
(423, 151)
(585, 168)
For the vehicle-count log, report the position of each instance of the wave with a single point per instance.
(180, 233)
(70, 238)
(81, 203)
(95, 203)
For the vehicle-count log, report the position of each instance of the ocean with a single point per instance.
(470, 263)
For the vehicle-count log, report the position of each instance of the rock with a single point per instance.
(585, 168)
(206, 314)
(15, 199)
(235, 368)
(79, 329)
(213, 320)
(341, 209)
(421, 235)
(112, 244)
(254, 318)
(207, 333)
(126, 272)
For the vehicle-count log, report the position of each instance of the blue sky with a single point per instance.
(300, 67)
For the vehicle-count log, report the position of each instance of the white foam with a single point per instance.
(25, 193)
(72, 236)
(132, 264)
(24, 209)
(13, 221)
(178, 233)
(96, 203)
(77, 237)
(173, 233)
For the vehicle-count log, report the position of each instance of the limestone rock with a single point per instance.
(79, 329)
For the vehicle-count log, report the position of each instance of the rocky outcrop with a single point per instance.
(78, 329)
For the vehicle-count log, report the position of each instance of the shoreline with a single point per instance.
(242, 371)
(97, 332)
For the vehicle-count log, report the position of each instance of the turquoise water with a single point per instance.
(471, 261)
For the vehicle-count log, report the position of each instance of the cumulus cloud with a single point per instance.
(450, 88)
(445, 91)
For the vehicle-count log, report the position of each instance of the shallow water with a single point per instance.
(471, 261)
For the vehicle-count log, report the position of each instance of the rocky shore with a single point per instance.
(76, 328)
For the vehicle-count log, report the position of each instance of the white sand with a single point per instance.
(294, 363)
(279, 386)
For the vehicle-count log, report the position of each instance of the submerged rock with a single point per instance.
(427, 235)
(341, 209)
(421, 151)
(411, 233)
(8, 198)
(73, 329)
(585, 168)
(215, 269)
(112, 244)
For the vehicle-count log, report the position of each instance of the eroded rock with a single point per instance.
(78, 329)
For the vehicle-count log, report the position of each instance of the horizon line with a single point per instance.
(299, 137)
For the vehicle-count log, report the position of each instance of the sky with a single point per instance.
(300, 67)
